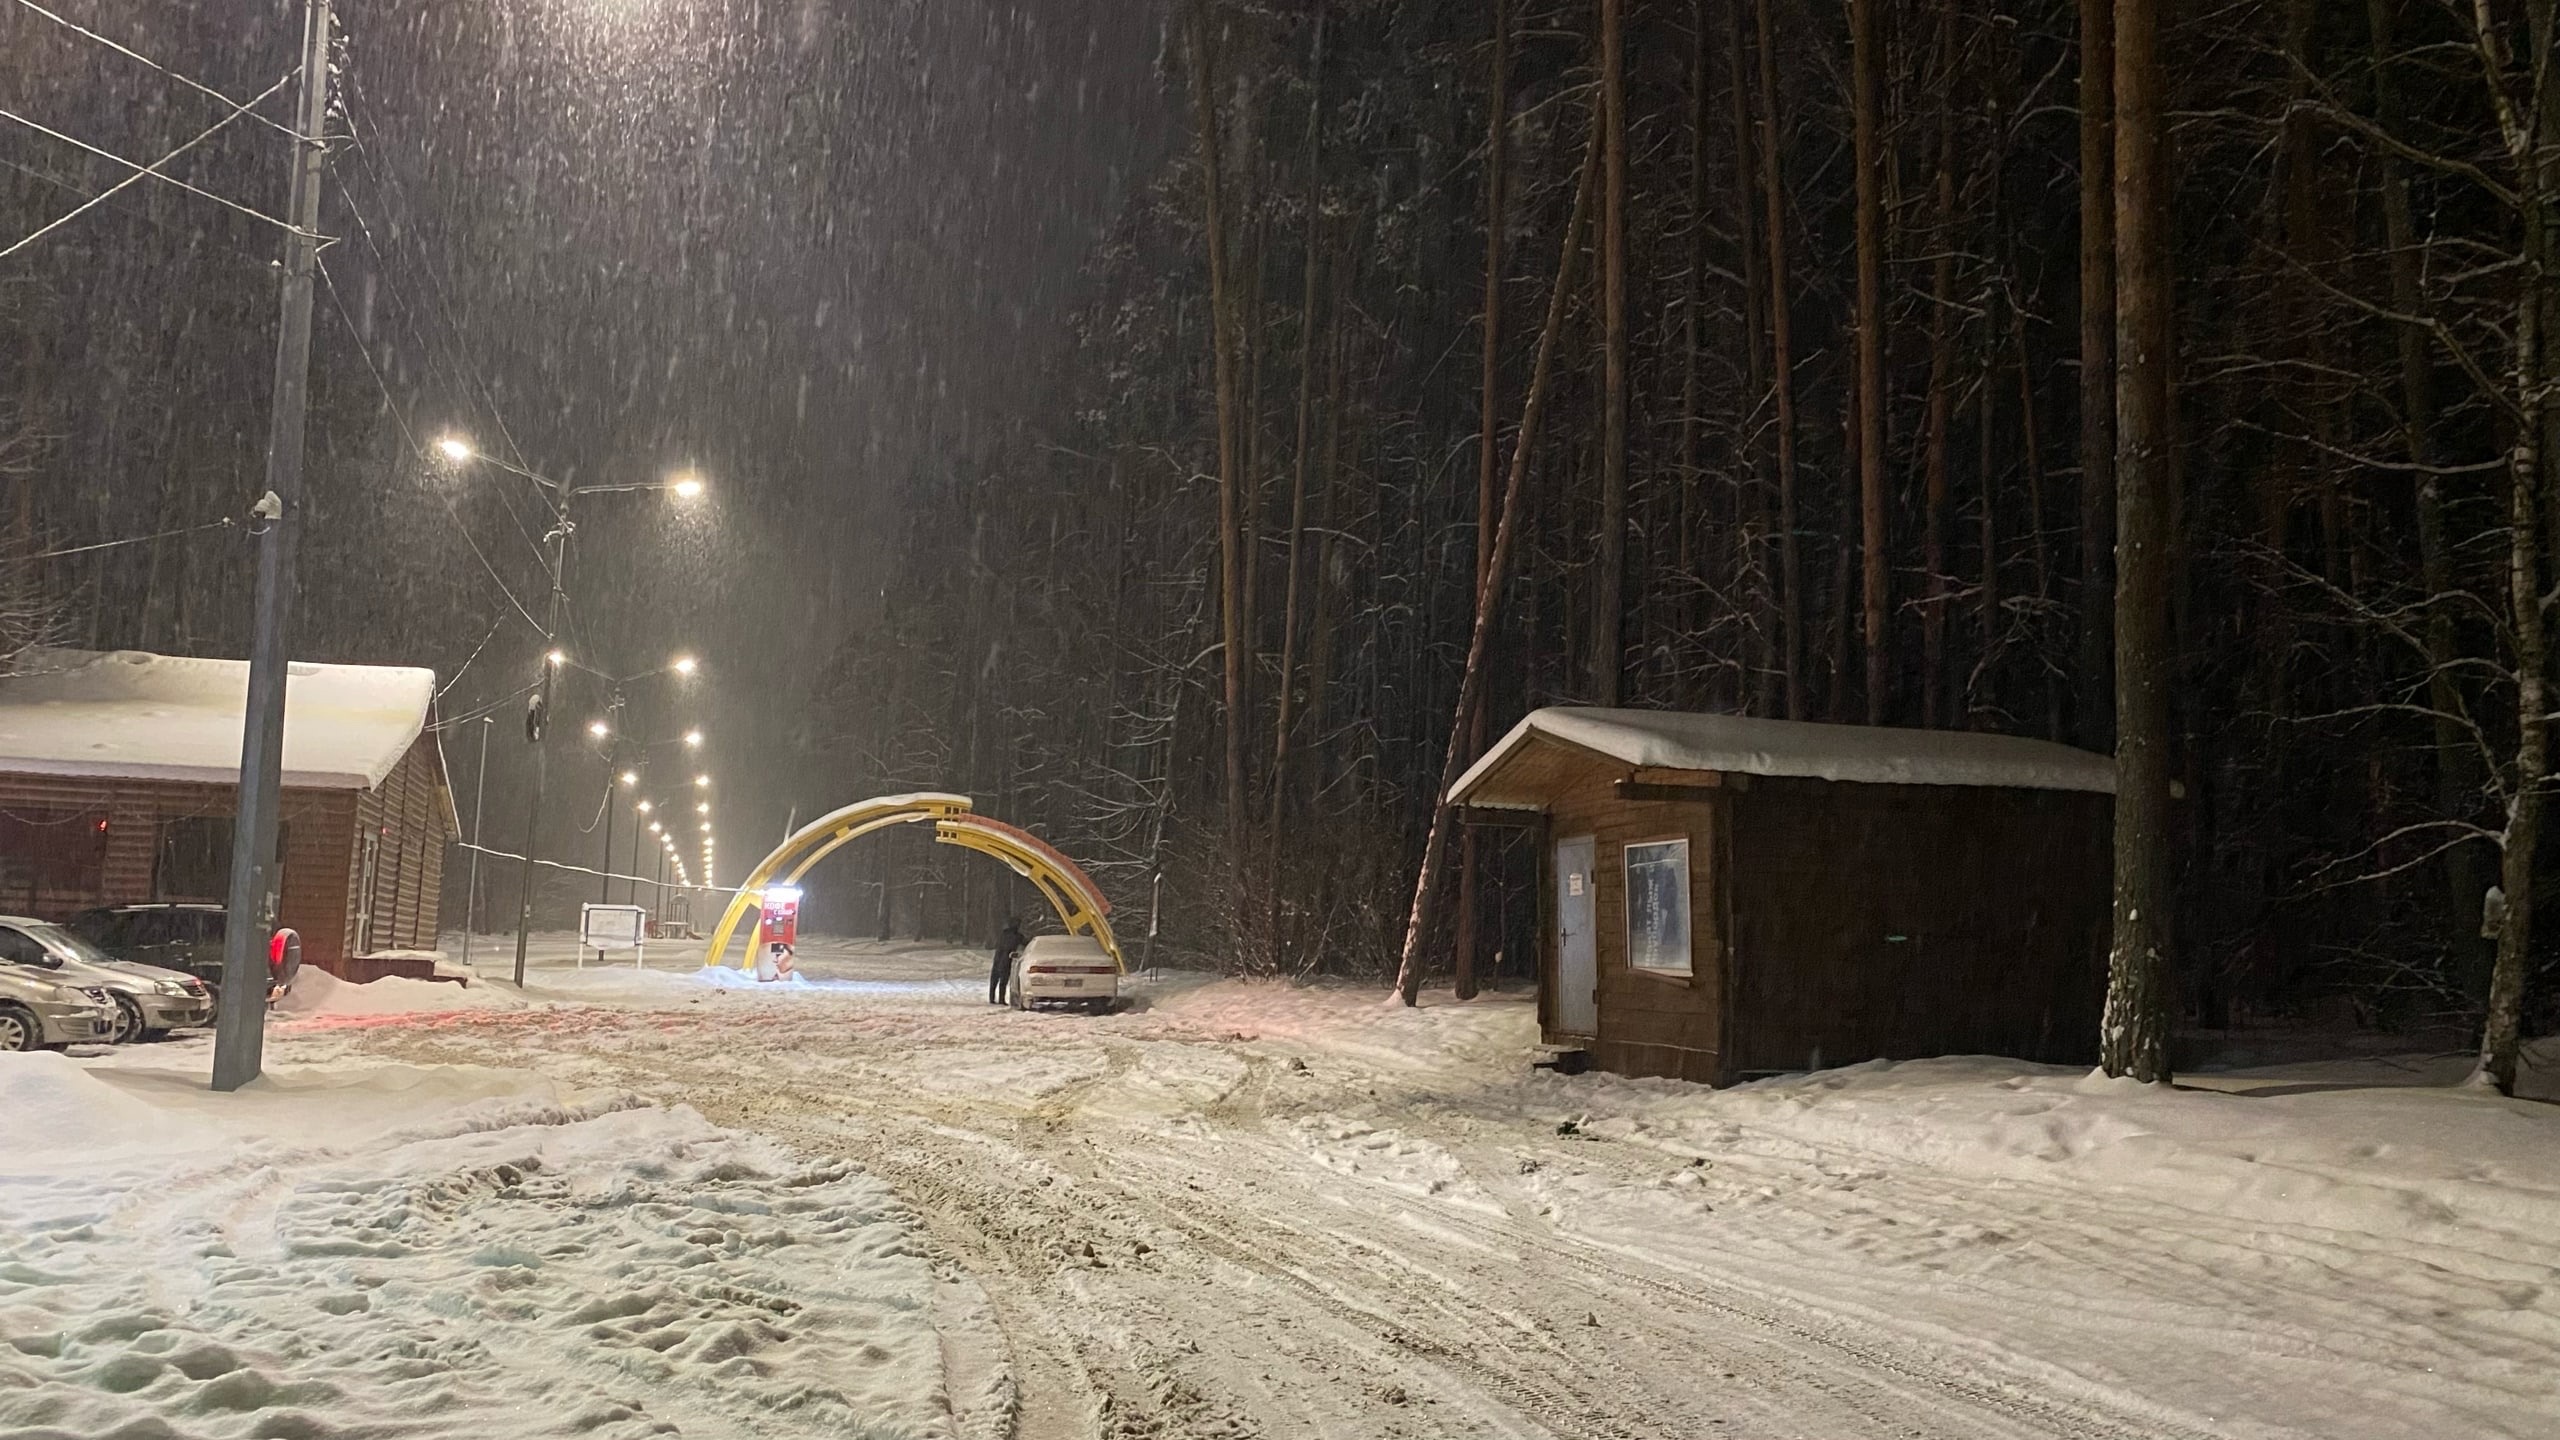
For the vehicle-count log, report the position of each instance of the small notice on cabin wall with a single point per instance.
(1658, 906)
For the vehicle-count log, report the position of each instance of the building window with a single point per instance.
(1658, 906)
(50, 852)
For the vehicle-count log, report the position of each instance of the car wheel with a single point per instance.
(128, 1022)
(18, 1029)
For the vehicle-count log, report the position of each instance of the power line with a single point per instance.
(225, 523)
(132, 54)
(338, 302)
(227, 203)
(151, 171)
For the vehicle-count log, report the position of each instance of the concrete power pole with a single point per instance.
(240, 1030)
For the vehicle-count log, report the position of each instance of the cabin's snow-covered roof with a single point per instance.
(130, 715)
(1858, 754)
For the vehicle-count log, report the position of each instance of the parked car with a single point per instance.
(183, 937)
(1065, 970)
(43, 1008)
(149, 1002)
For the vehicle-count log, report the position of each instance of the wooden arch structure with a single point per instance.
(1078, 902)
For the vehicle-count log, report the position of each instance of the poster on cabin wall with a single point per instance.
(1658, 906)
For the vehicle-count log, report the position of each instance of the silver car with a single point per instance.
(148, 1002)
(40, 1010)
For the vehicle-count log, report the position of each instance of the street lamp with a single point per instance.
(599, 729)
(630, 778)
(562, 497)
(685, 665)
(693, 738)
(702, 782)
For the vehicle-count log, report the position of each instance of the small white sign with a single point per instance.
(611, 927)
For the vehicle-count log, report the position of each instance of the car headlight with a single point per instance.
(172, 987)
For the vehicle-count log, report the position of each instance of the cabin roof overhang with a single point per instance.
(1521, 771)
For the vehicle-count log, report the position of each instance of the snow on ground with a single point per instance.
(1254, 1209)
(360, 1249)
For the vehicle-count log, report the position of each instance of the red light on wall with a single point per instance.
(102, 827)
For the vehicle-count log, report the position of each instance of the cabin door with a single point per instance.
(1577, 968)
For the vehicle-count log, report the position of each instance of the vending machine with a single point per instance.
(778, 932)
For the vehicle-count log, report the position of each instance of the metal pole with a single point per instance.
(635, 857)
(612, 800)
(240, 1030)
(538, 727)
(479, 802)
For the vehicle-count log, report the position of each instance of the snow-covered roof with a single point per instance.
(131, 715)
(1734, 744)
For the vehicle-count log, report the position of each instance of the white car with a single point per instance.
(149, 1001)
(1065, 970)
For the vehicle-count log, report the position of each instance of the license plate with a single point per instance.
(1071, 984)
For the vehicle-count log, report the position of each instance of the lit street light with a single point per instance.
(562, 497)
(631, 777)
(693, 738)
(599, 729)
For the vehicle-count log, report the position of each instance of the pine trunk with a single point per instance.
(1608, 605)
(1488, 437)
(1867, 59)
(1230, 482)
(2097, 372)
(1781, 365)
(1506, 538)
(2134, 1036)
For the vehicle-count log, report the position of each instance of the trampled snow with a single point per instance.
(1249, 1208)
(128, 714)
(365, 1250)
(1742, 745)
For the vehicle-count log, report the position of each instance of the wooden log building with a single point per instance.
(119, 778)
(1724, 898)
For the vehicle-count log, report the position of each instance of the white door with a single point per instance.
(1577, 1009)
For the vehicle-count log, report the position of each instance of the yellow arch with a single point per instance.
(813, 842)
(1070, 892)
(1079, 903)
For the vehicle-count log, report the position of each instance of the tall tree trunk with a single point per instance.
(1488, 438)
(1230, 481)
(1609, 602)
(2134, 1037)
(1751, 536)
(1693, 305)
(1942, 364)
(2031, 455)
(2097, 373)
(1782, 362)
(2537, 184)
(1866, 58)
(1314, 250)
(2457, 767)
(1984, 700)
(1506, 537)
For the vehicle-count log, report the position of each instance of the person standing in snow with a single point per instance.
(1009, 943)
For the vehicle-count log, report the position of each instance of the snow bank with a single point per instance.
(317, 992)
(504, 1266)
(2421, 1166)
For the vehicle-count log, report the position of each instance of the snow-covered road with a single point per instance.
(1250, 1210)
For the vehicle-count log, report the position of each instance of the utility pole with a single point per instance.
(479, 802)
(240, 1035)
(537, 723)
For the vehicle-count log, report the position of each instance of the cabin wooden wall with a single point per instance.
(61, 812)
(1650, 1024)
(1895, 921)
(411, 818)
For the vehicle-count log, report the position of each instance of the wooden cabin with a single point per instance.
(1725, 898)
(120, 775)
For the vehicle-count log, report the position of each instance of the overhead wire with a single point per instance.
(338, 302)
(130, 53)
(225, 523)
(225, 201)
(151, 171)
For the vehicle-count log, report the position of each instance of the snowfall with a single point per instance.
(626, 1202)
